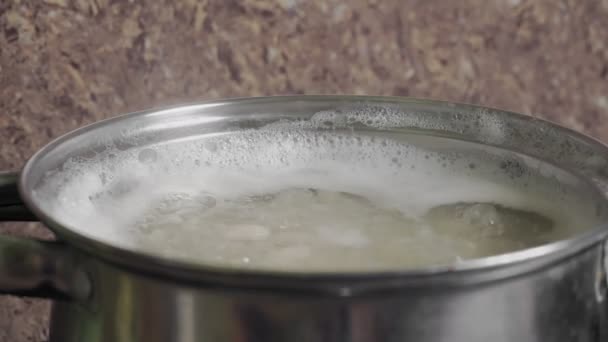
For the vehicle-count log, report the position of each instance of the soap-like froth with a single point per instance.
(105, 197)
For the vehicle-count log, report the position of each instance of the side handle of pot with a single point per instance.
(30, 267)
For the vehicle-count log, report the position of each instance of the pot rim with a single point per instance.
(340, 283)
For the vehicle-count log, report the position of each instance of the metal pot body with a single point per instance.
(563, 301)
(552, 293)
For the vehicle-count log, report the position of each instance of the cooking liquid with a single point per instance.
(324, 230)
(303, 200)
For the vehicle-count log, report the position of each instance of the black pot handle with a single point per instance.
(30, 267)
(11, 206)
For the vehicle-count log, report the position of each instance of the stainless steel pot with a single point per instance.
(103, 292)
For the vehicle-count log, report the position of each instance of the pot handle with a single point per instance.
(11, 206)
(30, 267)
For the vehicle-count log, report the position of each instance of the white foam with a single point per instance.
(103, 196)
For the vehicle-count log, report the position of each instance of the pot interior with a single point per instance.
(321, 184)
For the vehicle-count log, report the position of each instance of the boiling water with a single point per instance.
(325, 230)
(300, 199)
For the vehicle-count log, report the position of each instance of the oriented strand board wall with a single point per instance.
(65, 63)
